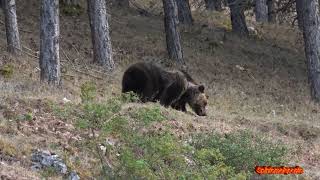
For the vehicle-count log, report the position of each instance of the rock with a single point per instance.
(43, 159)
(252, 30)
(74, 176)
(65, 100)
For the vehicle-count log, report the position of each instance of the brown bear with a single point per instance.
(172, 88)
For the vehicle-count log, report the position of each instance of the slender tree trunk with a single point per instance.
(1, 4)
(213, 5)
(172, 33)
(49, 42)
(299, 9)
(272, 16)
(102, 49)
(261, 11)
(12, 32)
(238, 19)
(184, 12)
(311, 24)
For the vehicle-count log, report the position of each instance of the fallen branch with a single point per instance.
(88, 74)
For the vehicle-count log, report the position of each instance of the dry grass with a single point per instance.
(257, 83)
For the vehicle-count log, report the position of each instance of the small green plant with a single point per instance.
(148, 115)
(88, 92)
(96, 117)
(7, 71)
(28, 116)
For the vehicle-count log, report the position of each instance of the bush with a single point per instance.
(88, 92)
(243, 150)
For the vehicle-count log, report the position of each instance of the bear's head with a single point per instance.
(197, 99)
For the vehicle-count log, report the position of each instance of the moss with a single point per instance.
(7, 71)
(7, 148)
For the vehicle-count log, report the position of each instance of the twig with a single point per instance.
(27, 53)
(64, 53)
(88, 74)
(22, 30)
(29, 49)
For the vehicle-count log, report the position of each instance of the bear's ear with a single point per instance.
(201, 88)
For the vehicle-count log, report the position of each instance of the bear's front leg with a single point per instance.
(179, 105)
(170, 94)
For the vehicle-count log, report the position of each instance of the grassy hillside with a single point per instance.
(260, 112)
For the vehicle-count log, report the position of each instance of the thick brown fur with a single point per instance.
(172, 88)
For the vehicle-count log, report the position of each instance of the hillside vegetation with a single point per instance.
(259, 113)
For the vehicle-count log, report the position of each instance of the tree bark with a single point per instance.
(238, 19)
(102, 49)
(171, 27)
(272, 16)
(311, 25)
(184, 12)
(299, 9)
(12, 32)
(49, 42)
(213, 5)
(261, 11)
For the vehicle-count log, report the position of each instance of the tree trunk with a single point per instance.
(213, 5)
(12, 32)
(102, 50)
(299, 9)
(272, 16)
(184, 12)
(261, 11)
(311, 24)
(171, 27)
(1, 4)
(238, 19)
(49, 42)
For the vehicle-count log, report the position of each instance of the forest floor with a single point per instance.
(258, 84)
